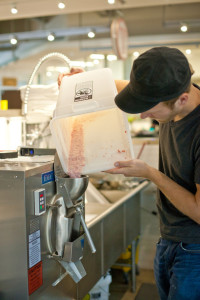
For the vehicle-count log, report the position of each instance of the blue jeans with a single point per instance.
(177, 270)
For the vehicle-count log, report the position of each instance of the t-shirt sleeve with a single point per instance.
(197, 162)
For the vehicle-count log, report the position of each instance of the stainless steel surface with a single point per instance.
(57, 238)
(96, 208)
(87, 233)
(69, 203)
(58, 169)
(13, 236)
(18, 181)
(73, 250)
(75, 270)
(72, 188)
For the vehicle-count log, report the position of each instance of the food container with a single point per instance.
(89, 131)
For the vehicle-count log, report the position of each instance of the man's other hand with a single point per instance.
(72, 72)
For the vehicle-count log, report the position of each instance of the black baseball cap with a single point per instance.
(157, 75)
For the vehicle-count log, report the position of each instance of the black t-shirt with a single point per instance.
(179, 159)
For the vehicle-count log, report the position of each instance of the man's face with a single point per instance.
(160, 113)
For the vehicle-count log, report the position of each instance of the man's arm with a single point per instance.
(181, 198)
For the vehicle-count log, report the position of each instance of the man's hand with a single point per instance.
(131, 168)
(72, 72)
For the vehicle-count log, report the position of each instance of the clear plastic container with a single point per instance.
(89, 131)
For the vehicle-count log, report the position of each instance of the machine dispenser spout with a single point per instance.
(72, 190)
(69, 216)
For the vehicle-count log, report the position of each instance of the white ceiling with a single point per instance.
(149, 22)
(36, 8)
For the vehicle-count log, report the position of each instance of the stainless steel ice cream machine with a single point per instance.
(47, 251)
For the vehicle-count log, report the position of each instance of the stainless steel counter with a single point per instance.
(113, 228)
(100, 211)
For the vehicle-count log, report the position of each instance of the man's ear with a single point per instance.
(182, 100)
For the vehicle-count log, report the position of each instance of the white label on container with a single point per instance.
(34, 249)
(84, 91)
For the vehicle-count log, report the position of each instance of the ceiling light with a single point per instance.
(89, 64)
(111, 1)
(97, 56)
(188, 51)
(61, 5)
(49, 74)
(81, 64)
(13, 41)
(184, 27)
(111, 57)
(14, 10)
(51, 37)
(96, 61)
(91, 34)
(136, 53)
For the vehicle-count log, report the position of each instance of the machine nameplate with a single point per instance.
(48, 177)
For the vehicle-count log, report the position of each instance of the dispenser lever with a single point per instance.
(89, 238)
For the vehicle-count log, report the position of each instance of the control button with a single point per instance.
(40, 202)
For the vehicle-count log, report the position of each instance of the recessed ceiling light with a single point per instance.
(188, 51)
(184, 28)
(97, 56)
(91, 34)
(13, 41)
(111, 1)
(61, 5)
(14, 10)
(111, 57)
(136, 53)
(49, 74)
(51, 37)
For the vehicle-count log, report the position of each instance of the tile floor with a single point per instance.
(122, 291)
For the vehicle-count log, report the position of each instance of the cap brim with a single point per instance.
(133, 104)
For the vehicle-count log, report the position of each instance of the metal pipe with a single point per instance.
(44, 58)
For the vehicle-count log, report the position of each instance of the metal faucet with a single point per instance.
(44, 58)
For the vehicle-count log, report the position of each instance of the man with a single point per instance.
(160, 88)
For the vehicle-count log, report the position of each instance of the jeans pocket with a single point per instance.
(190, 248)
(159, 241)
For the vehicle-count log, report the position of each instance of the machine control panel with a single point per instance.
(40, 202)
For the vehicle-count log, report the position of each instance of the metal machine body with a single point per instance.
(41, 235)
(44, 254)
